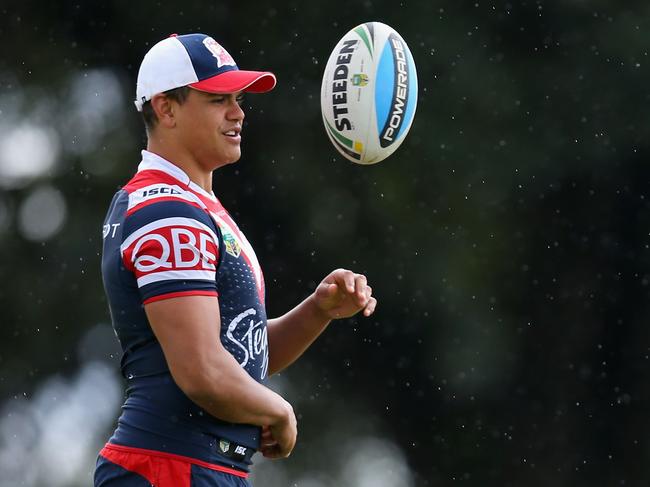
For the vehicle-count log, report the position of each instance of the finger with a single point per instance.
(370, 307)
(360, 283)
(366, 296)
(273, 452)
(345, 279)
(361, 300)
(267, 436)
(368, 292)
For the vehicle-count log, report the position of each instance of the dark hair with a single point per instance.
(179, 95)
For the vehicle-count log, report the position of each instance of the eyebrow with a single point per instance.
(214, 95)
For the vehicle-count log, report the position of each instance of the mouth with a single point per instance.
(234, 133)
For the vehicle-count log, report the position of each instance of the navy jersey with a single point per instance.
(165, 237)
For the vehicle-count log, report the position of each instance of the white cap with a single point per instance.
(198, 61)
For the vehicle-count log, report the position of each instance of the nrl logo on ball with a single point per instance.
(223, 58)
(360, 79)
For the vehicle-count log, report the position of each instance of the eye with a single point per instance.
(240, 99)
(218, 99)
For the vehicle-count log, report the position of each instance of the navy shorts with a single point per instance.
(123, 466)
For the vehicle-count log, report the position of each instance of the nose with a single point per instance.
(235, 111)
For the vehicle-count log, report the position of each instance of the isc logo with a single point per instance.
(162, 190)
(157, 192)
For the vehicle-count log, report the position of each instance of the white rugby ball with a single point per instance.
(369, 93)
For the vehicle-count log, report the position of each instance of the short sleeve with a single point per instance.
(172, 249)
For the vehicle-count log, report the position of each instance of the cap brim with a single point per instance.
(237, 80)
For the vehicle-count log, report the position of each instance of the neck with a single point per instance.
(184, 160)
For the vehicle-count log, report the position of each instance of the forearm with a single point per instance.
(224, 390)
(292, 333)
(188, 329)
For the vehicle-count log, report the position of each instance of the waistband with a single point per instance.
(182, 431)
(118, 454)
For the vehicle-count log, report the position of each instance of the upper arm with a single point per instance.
(172, 249)
(188, 329)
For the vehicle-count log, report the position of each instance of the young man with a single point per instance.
(186, 292)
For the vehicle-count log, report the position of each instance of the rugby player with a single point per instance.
(186, 291)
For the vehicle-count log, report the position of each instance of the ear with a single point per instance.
(164, 109)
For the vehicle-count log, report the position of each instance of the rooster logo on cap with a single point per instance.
(223, 58)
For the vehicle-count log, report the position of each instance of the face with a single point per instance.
(209, 127)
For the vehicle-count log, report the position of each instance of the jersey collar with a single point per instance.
(151, 161)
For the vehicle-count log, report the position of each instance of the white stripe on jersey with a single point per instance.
(167, 222)
(176, 276)
(162, 190)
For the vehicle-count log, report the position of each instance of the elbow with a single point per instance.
(198, 384)
(196, 392)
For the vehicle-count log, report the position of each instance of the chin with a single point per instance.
(227, 160)
(234, 159)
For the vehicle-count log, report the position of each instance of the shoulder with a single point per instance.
(149, 188)
(160, 207)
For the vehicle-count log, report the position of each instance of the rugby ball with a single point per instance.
(369, 93)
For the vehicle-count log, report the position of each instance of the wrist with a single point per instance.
(283, 414)
(318, 312)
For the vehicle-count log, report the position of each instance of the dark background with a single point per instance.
(506, 240)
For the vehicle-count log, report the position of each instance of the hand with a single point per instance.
(279, 439)
(343, 294)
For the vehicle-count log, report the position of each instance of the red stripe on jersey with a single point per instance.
(112, 450)
(159, 199)
(151, 186)
(180, 294)
(149, 177)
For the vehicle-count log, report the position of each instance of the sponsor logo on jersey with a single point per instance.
(249, 336)
(156, 192)
(171, 249)
(109, 229)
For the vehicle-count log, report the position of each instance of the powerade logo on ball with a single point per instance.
(340, 85)
(399, 102)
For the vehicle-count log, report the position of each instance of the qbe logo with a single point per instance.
(183, 249)
(186, 248)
